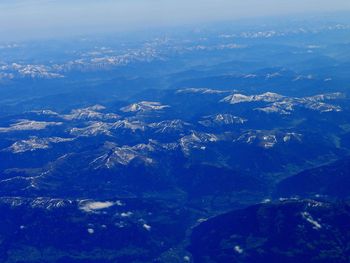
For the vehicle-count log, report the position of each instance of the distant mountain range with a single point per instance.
(216, 144)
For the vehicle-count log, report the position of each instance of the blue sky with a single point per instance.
(40, 18)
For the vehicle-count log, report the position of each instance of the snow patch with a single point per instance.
(147, 227)
(308, 218)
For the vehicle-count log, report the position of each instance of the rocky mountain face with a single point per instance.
(86, 230)
(327, 181)
(290, 231)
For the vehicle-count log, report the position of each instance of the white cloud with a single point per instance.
(93, 206)
(238, 249)
(126, 214)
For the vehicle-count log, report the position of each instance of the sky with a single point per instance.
(21, 19)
